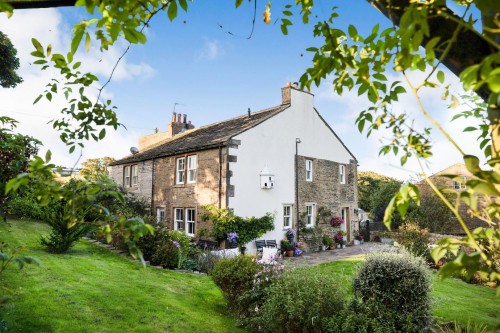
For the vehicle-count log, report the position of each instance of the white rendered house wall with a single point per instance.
(271, 144)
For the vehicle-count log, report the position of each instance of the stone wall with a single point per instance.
(204, 191)
(326, 191)
(143, 188)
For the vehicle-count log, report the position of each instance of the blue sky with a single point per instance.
(215, 75)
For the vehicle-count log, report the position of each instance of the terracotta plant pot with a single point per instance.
(331, 247)
(289, 253)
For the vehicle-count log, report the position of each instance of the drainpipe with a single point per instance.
(220, 175)
(153, 189)
(297, 141)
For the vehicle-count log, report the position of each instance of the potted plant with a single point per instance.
(232, 238)
(290, 235)
(358, 238)
(287, 247)
(339, 238)
(327, 241)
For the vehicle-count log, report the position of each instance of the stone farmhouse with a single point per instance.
(285, 160)
(458, 184)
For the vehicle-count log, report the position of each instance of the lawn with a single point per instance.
(91, 289)
(453, 299)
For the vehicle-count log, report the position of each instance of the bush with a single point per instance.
(414, 240)
(392, 291)
(62, 237)
(234, 276)
(165, 252)
(206, 261)
(303, 300)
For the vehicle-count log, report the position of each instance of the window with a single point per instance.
(190, 221)
(126, 176)
(130, 175)
(178, 219)
(135, 174)
(191, 168)
(458, 185)
(160, 215)
(179, 174)
(310, 214)
(287, 216)
(342, 174)
(309, 170)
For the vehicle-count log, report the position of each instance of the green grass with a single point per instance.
(90, 289)
(453, 299)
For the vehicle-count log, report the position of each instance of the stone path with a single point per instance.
(316, 258)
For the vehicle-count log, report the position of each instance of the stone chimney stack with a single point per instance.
(178, 124)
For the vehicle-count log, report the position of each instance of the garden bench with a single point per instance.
(271, 243)
(260, 244)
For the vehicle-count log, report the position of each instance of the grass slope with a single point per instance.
(91, 289)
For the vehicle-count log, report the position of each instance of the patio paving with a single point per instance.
(316, 258)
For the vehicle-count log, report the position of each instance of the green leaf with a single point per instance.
(388, 213)
(184, 5)
(469, 129)
(77, 37)
(87, 42)
(494, 83)
(472, 164)
(48, 155)
(238, 3)
(172, 10)
(440, 77)
(37, 45)
(102, 134)
(353, 32)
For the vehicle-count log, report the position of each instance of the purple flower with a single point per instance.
(336, 221)
(232, 237)
(176, 243)
(291, 232)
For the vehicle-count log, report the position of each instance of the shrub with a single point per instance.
(206, 261)
(303, 300)
(392, 291)
(166, 253)
(251, 301)
(234, 276)
(62, 237)
(414, 240)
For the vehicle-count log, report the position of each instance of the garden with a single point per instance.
(107, 292)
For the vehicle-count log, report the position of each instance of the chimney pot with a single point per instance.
(185, 118)
(174, 115)
(248, 112)
(189, 122)
(179, 116)
(295, 84)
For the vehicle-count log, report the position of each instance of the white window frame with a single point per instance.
(180, 172)
(342, 174)
(460, 185)
(160, 215)
(178, 219)
(192, 166)
(310, 215)
(344, 213)
(309, 170)
(190, 221)
(126, 176)
(134, 175)
(287, 216)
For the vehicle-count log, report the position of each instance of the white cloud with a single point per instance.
(48, 26)
(211, 50)
(349, 105)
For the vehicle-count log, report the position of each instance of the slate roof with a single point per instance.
(201, 138)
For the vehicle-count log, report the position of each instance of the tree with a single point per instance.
(9, 63)
(368, 183)
(380, 199)
(16, 151)
(96, 167)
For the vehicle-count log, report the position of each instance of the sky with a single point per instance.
(202, 64)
